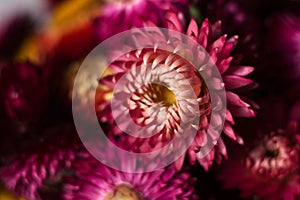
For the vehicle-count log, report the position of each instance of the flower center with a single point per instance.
(123, 192)
(160, 94)
(272, 153)
(121, 1)
(273, 157)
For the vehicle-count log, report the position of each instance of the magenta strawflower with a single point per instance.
(94, 180)
(269, 165)
(121, 15)
(175, 107)
(41, 164)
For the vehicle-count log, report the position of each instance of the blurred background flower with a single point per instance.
(97, 181)
(268, 166)
(120, 15)
(35, 171)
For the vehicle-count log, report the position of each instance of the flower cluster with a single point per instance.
(150, 100)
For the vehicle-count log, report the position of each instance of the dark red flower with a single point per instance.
(21, 91)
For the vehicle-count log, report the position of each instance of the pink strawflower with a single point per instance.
(95, 180)
(175, 106)
(269, 165)
(121, 15)
(38, 168)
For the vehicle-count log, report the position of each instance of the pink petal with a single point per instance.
(233, 40)
(216, 28)
(227, 129)
(201, 138)
(173, 22)
(179, 163)
(235, 100)
(222, 148)
(192, 156)
(193, 28)
(239, 139)
(224, 65)
(240, 70)
(203, 33)
(214, 55)
(229, 117)
(242, 112)
(234, 82)
(226, 50)
(207, 161)
(219, 43)
(216, 83)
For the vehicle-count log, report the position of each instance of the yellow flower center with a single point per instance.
(122, 2)
(162, 94)
(123, 192)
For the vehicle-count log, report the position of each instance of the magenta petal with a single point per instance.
(234, 40)
(192, 156)
(229, 117)
(207, 161)
(173, 22)
(219, 43)
(234, 82)
(216, 28)
(229, 131)
(203, 33)
(224, 65)
(193, 28)
(242, 112)
(179, 163)
(240, 70)
(222, 148)
(235, 100)
(201, 138)
(226, 50)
